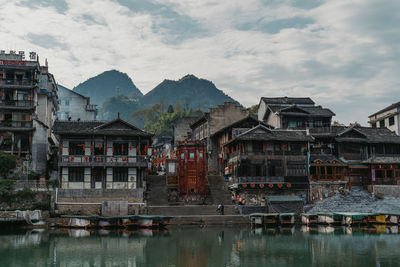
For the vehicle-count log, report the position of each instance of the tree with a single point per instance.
(7, 163)
(170, 109)
(337, 123)
(253, 110)
(159, 121)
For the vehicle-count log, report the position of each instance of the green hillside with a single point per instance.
(108, 84)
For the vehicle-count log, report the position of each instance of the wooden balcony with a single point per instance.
(102, 161)
(14, 83)
(17, 104)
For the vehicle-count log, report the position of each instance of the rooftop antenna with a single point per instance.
(118, 115)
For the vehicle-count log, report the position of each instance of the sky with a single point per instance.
(343, 54)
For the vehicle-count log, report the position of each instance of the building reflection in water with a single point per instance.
(192, 246)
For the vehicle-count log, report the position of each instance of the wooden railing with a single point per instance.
(102, 160)
(17, 103)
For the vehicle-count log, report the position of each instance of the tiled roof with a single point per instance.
(392, 106)
(288, 100)
(302, 111)
(116, 127)
(262, 133)
(366, 134)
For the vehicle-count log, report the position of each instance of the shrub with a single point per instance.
(41, 205)
(52, 184)
(7, 163)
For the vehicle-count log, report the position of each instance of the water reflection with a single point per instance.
(213, 246)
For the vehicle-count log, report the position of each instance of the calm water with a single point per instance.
(212, 246)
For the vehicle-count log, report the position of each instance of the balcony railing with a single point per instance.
(102, 160)
(90, 107)
(17, 103)
(14, 82)
(16, 124)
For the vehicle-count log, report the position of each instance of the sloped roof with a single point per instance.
(314, 111)
(262, 133)
(236, 123)
(117, 127)
(287, 100)
(327, 160)
(392, 106)
(369, 134)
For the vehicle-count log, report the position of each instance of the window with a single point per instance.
(120, 149)
(76, 148)
(59, 102)
(66, 115)
(59, 115)
(67, 102)
(391, 121)
(76, 174)
(120, 175)
(292, 124)
(382, 123)
(99, 149)
(182, 155)
(191, 155)
(373, 125)
(201, 155)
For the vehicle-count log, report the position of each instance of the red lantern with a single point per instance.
(280, 185)
(261, 185)
(271, 185)
(289, 185)
(252, 185)
(244, 185)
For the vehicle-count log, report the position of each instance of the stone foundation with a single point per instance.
(321, 190)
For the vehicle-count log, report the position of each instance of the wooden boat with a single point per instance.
(309, 218)
(286, 218)
(376, 218)
(271, 218)
(329, 218)
(352, 218)
(257, 219)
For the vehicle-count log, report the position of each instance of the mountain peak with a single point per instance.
(188, 77)
(106, 84)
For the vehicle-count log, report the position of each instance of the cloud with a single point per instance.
(344, 54)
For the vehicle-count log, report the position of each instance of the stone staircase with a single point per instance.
(156, 193)
(220, 193)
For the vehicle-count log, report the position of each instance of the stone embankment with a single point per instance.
(356, 200)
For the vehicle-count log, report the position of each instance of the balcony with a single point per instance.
(17, 104)
(91, 107)
(13, 83)
(107, 161)
(15, 125)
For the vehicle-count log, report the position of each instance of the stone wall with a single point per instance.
(386, 190)
(321, 190)
(89, 201)
(256, 197)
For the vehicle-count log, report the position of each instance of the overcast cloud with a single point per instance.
(344, 54)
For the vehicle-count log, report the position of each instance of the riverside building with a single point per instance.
(28, 106)
(102, 155)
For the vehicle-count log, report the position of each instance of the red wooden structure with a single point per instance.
(191, 169)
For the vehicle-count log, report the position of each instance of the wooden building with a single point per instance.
(351, 155)
(262, 161)
(212, 121)
(93, 154)
(293, 112)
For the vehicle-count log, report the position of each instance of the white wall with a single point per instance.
(76, 108)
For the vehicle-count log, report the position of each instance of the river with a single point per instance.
(209, 246)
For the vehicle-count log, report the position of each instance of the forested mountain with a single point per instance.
(114, 92)
(189, 91)
(108, 84)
